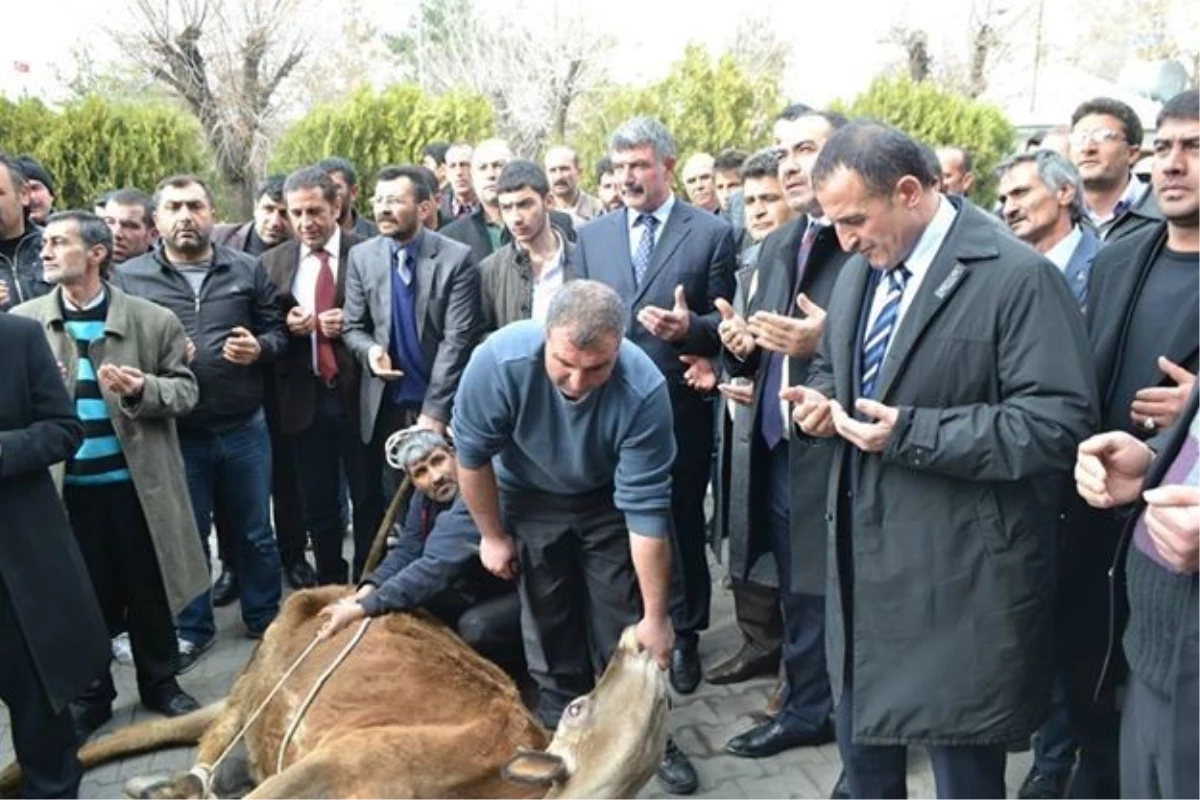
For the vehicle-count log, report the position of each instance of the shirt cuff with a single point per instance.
(648, 523)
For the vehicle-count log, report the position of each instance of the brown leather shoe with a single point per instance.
(747, 664)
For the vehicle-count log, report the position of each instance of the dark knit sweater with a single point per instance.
(1158, 600)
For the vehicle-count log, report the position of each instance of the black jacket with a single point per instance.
(472, 231)
(22, 274)
(43, 580)
(236, 292)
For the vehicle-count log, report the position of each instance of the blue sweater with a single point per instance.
(621, 435)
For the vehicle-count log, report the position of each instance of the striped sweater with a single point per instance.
(99, 459)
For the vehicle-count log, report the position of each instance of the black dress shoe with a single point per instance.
(676, 773)
(685, 666)
(1044, 784)
(87, 717)
(171, 702)
(771, 738)
(300, 575)
(225, 590)
(747, 664)
(841, 789)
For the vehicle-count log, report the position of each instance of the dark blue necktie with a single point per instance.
(645, 249)
(876, 342)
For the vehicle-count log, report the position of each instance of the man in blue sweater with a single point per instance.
(435, 564)
(565, 448)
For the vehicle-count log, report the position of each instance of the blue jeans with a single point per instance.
(233, 470)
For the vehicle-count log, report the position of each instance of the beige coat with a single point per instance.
(146, 336)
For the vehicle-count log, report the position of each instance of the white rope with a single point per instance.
(203, 773)
(233, 743)
(316, 687)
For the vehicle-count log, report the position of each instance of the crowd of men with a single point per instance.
(953, 450)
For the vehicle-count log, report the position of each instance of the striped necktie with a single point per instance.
(645, 248)
(875, 345)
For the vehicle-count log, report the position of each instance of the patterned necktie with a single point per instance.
(323, 301)
(645, 248)
(876, 344)
(771, 415)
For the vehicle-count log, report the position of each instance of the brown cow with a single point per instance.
(412, 712)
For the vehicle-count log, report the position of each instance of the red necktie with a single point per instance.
(326, 289)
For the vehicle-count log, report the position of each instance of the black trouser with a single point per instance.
(123, 565)
(328, 445)
(379, 481)
(491, 625)
(577, 585)
(807, 700)
(691, 584)
(880, 771)
(44, 741)
(286, 515)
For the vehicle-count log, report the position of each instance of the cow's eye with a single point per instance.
(575, 709)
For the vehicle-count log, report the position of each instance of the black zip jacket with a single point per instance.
(22, 274)
(235, 292)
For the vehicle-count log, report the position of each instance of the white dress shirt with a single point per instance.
(918, 263)
(547, 283)
(304, 285)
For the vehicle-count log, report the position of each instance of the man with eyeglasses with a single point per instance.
(411, 318)
(1106, 141)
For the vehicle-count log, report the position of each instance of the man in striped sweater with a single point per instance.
(124, 489)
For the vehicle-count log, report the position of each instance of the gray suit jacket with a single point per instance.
(447, 309)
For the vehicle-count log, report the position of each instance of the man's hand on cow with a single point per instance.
(668, 324)
(870, 437)
(122, 381)
(499, 556)
(811, 410)
(1173, 522)
(431, 424)
(738, 390)
(734, 333)
(796, 338)
(1157, 407)
(1109, 469)
(299, 322)
(700, 374)
(338, 615)
(656, 635)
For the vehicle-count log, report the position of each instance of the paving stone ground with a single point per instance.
(703, 722)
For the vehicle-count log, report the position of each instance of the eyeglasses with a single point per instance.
(1096, 136)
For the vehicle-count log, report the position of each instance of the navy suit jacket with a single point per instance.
(695, 250)
(1079, 267)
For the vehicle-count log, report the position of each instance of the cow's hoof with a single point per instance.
(176, 787)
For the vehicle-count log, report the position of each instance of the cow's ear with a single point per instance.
(535, 767)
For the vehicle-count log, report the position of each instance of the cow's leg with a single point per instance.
(324, 774)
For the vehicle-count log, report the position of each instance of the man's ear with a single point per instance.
(535, 767)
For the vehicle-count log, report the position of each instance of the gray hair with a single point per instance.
(591, 310)
(407, 447)
(641, 131)
(1054, 170)
(92, 231)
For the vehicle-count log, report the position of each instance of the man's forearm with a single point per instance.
(652, 563)
(478, 487)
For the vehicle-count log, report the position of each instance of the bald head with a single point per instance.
(698, 181)
(958, 176)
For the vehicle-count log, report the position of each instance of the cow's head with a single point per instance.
(610, 742)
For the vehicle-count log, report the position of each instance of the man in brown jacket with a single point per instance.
(518, 280)
(124, 489)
